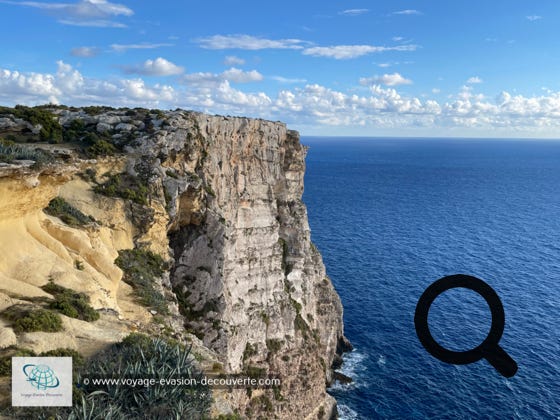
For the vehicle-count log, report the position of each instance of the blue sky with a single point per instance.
(370, 68)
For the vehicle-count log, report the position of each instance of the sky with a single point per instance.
(343, 68)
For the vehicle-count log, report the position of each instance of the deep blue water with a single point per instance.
(390, 216)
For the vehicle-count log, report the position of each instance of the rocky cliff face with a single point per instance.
(220, 200)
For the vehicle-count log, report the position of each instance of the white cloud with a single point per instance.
(287, 80)
(232, 75)
(474, 80)
(345, 52)
(247, 42)
(86, 52)
(158, 67)
(394, 79)
(408, 12)
(240, 76)
(95, 13)
(339, 52)
(533, 18)
(436, 90)
(353, 12)
(313, 105)
(99, 23)
(68, 85)
(232, 60)
(143, 46)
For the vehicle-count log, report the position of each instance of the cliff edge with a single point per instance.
(217, 200)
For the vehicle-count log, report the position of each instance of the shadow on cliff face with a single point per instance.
(195, 282)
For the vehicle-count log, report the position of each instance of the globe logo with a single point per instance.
(41, 377)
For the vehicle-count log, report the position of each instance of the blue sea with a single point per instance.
(391, 216)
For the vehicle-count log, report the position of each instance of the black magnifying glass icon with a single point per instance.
(489, 349)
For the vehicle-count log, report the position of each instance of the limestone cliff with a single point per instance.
(219, 199)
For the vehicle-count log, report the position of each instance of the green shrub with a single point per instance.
(51, 130)
(6, 358)
(10, 151)
(124, 186)
(274, 345)
(29, 319)
(255, 372)
(265, 318)
(301, 325)
(139, 356)
(141, 267)
(296, 305)
(77, 358)
(7, 354)
(233, 416)
(171, 173)
(71, 303)
(101, 148)
(59, 207)
(97, 110)
(262, 403)
(250, 350)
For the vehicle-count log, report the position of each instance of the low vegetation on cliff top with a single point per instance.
(42, 124)
(10, 152)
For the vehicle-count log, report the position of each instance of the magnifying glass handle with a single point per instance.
(501, 361)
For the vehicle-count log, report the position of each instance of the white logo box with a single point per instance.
(42, 381)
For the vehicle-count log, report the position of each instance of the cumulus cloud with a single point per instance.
(474, 80)
(240, 76)
(68, 85)
(345, 52)
(353, 12)
(232, 60)
(247, 42)
(394, 79)
(312, 105)
(143, 46)
(158, 67)
(95, 13)
(85, 52)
